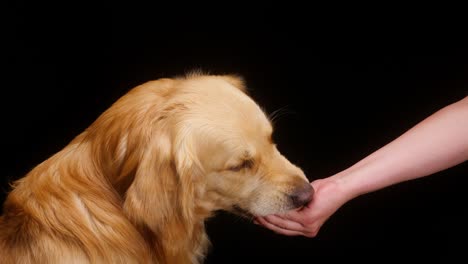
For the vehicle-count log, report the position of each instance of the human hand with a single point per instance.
(328, 197)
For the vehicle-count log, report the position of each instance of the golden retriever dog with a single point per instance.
(137, 185)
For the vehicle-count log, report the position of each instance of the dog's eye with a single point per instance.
(246, 164)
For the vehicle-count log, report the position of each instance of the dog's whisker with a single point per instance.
(275, 115)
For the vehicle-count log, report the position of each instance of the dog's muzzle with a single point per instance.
(302, 195)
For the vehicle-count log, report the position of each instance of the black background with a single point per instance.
(350, 81)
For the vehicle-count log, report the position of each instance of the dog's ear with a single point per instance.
(189, 171)
(162, 194)
(148, 198)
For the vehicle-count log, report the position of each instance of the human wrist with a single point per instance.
(345, 185)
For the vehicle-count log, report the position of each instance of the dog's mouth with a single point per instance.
(236, 209)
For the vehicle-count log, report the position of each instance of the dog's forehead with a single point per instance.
(226, 110)
(221, 96)
(244, 112)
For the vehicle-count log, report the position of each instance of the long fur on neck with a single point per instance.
(115, 194)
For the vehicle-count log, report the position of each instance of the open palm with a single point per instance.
(308, 220)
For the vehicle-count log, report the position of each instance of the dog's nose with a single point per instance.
(302, 195)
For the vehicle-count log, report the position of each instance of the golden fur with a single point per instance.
(137, 185)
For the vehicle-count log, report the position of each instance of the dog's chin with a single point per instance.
(251, 215)
(237, 210)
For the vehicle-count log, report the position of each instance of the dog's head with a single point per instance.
(200, 144)
(231, 139)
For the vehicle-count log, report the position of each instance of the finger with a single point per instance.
(284, 223)
(294, 216)
(277, 229)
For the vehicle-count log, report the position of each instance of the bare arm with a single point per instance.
(436, 143)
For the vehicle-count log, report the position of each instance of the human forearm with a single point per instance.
(438, 142)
